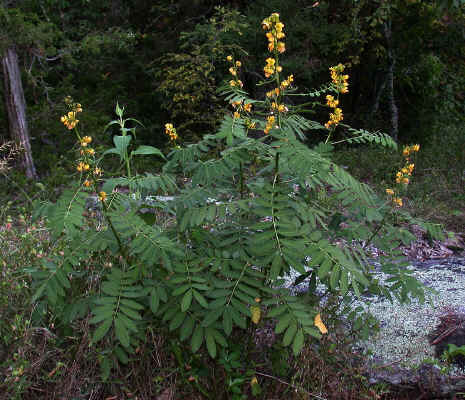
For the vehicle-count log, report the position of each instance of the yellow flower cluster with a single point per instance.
(70, 120)
(270, 124)
(240, 106)
(404, 174)
(279, 107)
(233, 70)
(274, 92)
(338, 79)
(82, 166)
(269, 68)
(410, 150)
(102, 196)
(88, 151)
(395, 199)
(334, 118)
(85, 141)
(275, 27)
(287, 82)
(170, 131)
(331, 101)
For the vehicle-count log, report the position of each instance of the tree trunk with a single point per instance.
(16, 108)
(390, 83)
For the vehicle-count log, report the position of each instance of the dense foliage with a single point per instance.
(211, 259)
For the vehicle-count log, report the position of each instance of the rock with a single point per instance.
(427, 379)
(450, 330)
(403, 351)
(455, 243)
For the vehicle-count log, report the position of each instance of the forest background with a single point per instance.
(164, 61)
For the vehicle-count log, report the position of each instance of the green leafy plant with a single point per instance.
(249, 210)
(453, 352)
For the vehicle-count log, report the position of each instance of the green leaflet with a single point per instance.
(212, 316)
(283, 323)
(197, 339)
(186, 301)
(102, 330)
(210, 342)
(200, 299)
(121, 331)
(177, 321)
(186, 328)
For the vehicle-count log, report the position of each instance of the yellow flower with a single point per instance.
(232, 71)
(69, 120)
(85, 141)
(97, 171)
(171, 132)
(238, 64)
(248, 107)
(339, 80)
(102, 196)
(282, 108)
(331, 101)
(87, 183)
(256, 314)
(281, 47)
(405, 181)
(229, 58)
(82, 167)
(232, 83)
(390, 192)
(319, 324)
(236, 115)
(397, 201)
(266, 24)
(416, 147)
(269, 123)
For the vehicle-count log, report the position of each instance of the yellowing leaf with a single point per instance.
(320, 325)
(254, 381)
(256, 314)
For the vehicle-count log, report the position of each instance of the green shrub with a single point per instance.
(249, 204)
